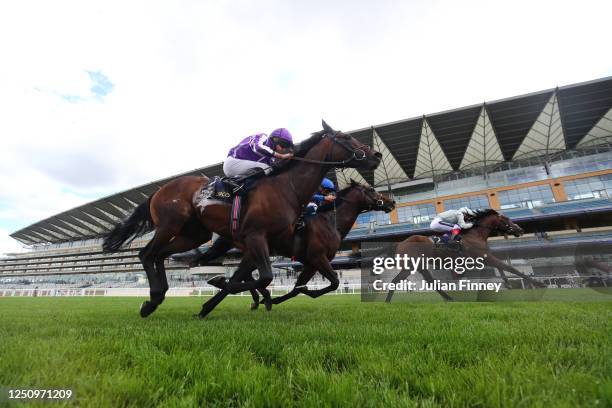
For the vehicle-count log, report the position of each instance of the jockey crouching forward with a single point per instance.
(452, 221)
(257, 153)
(325, 194)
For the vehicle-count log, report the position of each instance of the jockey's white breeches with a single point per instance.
(235, 167)
(439, 225)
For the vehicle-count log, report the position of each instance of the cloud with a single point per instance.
(112, 95)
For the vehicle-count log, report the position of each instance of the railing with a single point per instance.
(349, 289)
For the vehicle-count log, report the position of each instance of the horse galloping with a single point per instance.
(317, 244)
(268, 216)
(474, 242)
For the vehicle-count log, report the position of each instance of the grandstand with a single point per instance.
(544, 159)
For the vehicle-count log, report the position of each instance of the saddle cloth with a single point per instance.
(446, 243)
(218, 189)
(224, 191)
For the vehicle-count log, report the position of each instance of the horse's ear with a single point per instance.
(326, 127)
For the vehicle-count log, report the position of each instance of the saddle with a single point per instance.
(225, 188)
(445, 243)
(229, 190)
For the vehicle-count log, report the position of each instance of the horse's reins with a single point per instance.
(378, 206)
(343, 163)
(493, 229)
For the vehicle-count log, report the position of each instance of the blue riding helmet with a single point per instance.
(328, 184)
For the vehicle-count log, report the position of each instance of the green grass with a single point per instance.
(331, 351)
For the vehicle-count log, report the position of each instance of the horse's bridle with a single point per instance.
(507, 229)
(356, 155)
(379, 206)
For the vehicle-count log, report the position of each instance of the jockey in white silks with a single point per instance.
(453, 221)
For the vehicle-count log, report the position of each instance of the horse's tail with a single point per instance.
(136, 225)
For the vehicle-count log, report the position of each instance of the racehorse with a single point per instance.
(268, 216)
(317, 244)
(473, 242)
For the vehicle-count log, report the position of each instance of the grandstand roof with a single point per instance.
(535, 124)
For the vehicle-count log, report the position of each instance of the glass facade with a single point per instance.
(417, 214)
(528, 197)
(379, 217)
(475, 201)
(589, 187)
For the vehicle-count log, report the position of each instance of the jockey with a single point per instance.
(257, 152)
(326, 193)
(452, 221)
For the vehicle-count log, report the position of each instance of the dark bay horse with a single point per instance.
(268, 216)
(474, 241)
(317, 245)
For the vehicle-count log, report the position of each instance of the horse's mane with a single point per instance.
(330, 206)
(305, 145)
(484, 212)
(301, 149)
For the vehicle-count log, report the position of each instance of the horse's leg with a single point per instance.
(265, 293)
(302, 279)
(218, 248)
(258, 251)
(179, 244)
(148, 255)
(429, 278)
(243, 270)
(155, 287)
(325, 268)
(496, 263)
(219, 282)
(403, 274)
(505, 278)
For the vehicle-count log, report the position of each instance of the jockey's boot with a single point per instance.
(241, 183)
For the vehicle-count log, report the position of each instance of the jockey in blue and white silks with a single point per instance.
(453, 221)
(258, 151)
(326, 193)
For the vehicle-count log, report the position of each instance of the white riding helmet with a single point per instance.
(467, 211)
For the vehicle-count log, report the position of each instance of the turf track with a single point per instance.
(331, 351)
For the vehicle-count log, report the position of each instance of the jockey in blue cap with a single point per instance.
(326, 193)
(258, 151)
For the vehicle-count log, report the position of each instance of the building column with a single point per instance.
(493, 200)
(393, 216)
(558, 190)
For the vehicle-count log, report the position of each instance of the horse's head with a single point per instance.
(345, 151)
(497, 222)
(369, 199)
(506, 226)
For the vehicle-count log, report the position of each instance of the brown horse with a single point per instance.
(317, 244)
(268, 216)
(474, 244)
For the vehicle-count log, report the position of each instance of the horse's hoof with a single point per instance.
(254, 305)
(268, 304)
(203, 313)
(147, 308)
(218, 282)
